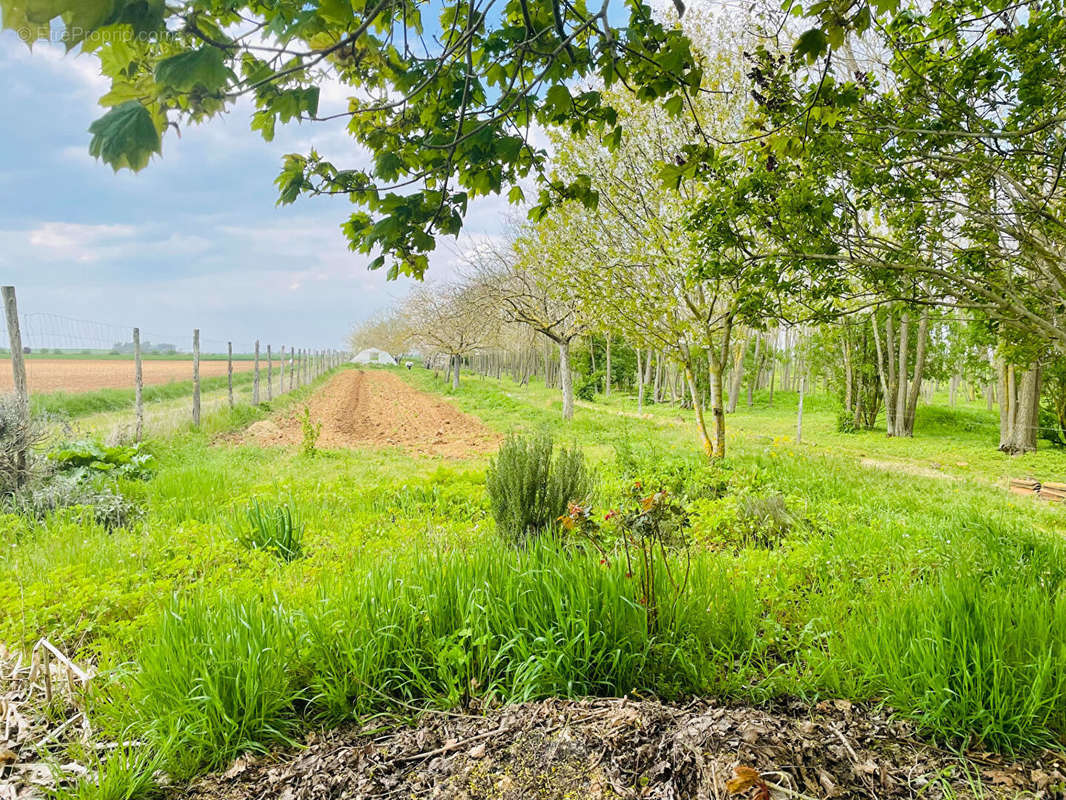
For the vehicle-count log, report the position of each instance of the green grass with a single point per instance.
(72, 405)
(909, 577)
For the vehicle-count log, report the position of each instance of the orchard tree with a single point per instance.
(449, 320)
(516, 279)
(388, 330)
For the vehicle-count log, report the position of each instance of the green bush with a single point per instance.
(104, 505)
(277, 529)
(529, 489)
(586, 390)
(846, 422)
(85, 457)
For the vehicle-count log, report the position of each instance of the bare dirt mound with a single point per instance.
(370, 408)
(624, 748)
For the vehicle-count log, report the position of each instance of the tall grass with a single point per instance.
(79, 404)
(976, 653)
(225, 674)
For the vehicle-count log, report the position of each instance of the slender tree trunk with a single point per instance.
(701, 425)
(717, 410)
(737, 374)
(900, 400)
(657, 384)
(916, 381)
(607, 379)
(566, 380)
(849, 376)
(754, 379)
(893, 384)
(640, 384)
(1006, 404)
(799, 411)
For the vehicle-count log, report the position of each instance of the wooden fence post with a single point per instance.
(18, 368)
(196, 377)
(281, 372)
(270, 375)
(138, 383)
(255, 379)
(229, 371)
(14, 336)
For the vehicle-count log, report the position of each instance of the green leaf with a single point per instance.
(674, 105)
(812, 43)
(125, 137)
(516, 195)
(202, 69)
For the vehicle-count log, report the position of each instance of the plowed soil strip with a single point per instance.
(370, 408)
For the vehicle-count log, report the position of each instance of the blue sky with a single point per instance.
(194, 240)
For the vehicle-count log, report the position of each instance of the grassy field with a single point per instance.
(896, 571)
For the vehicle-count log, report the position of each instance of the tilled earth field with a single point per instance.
(625, 748)
(46, 375)
(371, 408)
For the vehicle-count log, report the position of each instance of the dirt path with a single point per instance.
(373, 408)
(603, 749)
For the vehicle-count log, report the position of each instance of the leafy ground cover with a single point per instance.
(814, 572)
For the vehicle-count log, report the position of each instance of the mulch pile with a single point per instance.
(633, 749)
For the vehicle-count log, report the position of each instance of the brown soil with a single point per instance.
(76, 375)
(601, 749)
(371, 408)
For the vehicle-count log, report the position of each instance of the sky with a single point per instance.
(194, 240)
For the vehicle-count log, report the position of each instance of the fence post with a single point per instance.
(14, 335)
(292, 366)
(18, 367)
(281, 372)
(270, 375)
(138, 382)
(229, 371)
(196, 377)
(255, 380)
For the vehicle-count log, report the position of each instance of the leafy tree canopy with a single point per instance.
(443, 95)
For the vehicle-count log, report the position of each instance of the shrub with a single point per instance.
(84, 458)
(846, 422)
(276, 529)
(745, 520)
(20, 435)
(106, 506)
(529, 489)
(586, 390)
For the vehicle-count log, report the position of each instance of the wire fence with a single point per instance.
(135, 380)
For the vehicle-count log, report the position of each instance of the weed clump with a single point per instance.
(276, 529)
(530, 484)
(311, 431)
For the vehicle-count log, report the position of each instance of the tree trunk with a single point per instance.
(607, 380)
(640, 384)
(1022, 438)
(657, 384)
(701, 424)
(455, 371)
(1006, 402)
(911, 406)
(953, 389)
(900, 400)
(737, 374)
(717, 411)
(566, 380)
(849, 379)
(893, 385)
(754, 379)
(799, 412)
